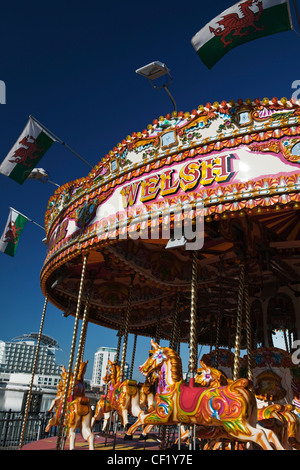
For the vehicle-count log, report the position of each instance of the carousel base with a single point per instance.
(101, 443)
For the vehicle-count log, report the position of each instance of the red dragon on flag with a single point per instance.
(12, 233)
(28, 152)
(239, 25)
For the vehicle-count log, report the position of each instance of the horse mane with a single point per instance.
(81, 372)
(117, 370)
(176, 365)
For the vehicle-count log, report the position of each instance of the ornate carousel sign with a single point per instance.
(218, 155)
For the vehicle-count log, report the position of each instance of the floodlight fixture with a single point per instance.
(156, 70)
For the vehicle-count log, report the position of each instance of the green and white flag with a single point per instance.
(12, 232)
(243, 22)
(30, 147)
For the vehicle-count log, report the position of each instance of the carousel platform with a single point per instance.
(101, 443)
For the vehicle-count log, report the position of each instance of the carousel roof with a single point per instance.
(233, 166)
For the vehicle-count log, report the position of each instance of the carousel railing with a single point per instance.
(11, 428)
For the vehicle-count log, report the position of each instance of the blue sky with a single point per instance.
(72, 66)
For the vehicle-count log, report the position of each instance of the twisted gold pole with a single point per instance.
(133, 356)
(248, 332)
(125, 341)
(33, 374)
(120, 334)
(81, 344)
(175, 323)
(237, 348)
(178, 342)
(193, 319)
(177, 339)
(59, 443)
(285, 341)
(219, 316)
(158, 326)
(218, 339)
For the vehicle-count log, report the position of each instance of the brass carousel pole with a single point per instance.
(193, 340)
(237, 347)
(178, 340)
(219, 316)
(119, 334)
(248, 331)
(158, 326)
(193, 321)
(124, 350)
(33, 374)
(133, 356)
(125, 331)
(173, 340)
(166, 430)
(82, 338)
(59, 444)
(162, 428)
(285, 340)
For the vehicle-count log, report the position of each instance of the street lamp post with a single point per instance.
(155, 70)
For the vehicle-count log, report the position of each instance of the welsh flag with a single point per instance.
(12, 232)
(30, 147)
(243, 22)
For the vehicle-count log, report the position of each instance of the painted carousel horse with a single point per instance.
(269, 389)
(123, 397)
(268, 417)
(231, 407)
(291, 414)
(78, 413)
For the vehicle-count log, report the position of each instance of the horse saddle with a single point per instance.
(189, 397)
(83, 404)
(131, 387)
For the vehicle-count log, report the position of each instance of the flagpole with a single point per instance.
(30, 220)
(60, 141)
(54, 184)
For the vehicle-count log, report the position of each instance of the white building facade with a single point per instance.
(16, 365)
(101, 358)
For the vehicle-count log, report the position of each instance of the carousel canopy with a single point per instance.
(225, 175)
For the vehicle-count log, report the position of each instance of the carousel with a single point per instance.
(187, 232)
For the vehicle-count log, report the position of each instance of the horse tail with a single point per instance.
(243, 388)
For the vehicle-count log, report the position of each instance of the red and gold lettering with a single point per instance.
(216, 169)
(207, 172)
(167, 187)
(150, 188)
(222, 168)
(189, 176)
(129, 194)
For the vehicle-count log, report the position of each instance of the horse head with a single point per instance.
(106, 378)
(209, 377)
(155, 360)
(64, 374)
(158, 356)
(112, 372)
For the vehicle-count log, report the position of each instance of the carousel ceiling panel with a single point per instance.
(285, 223)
